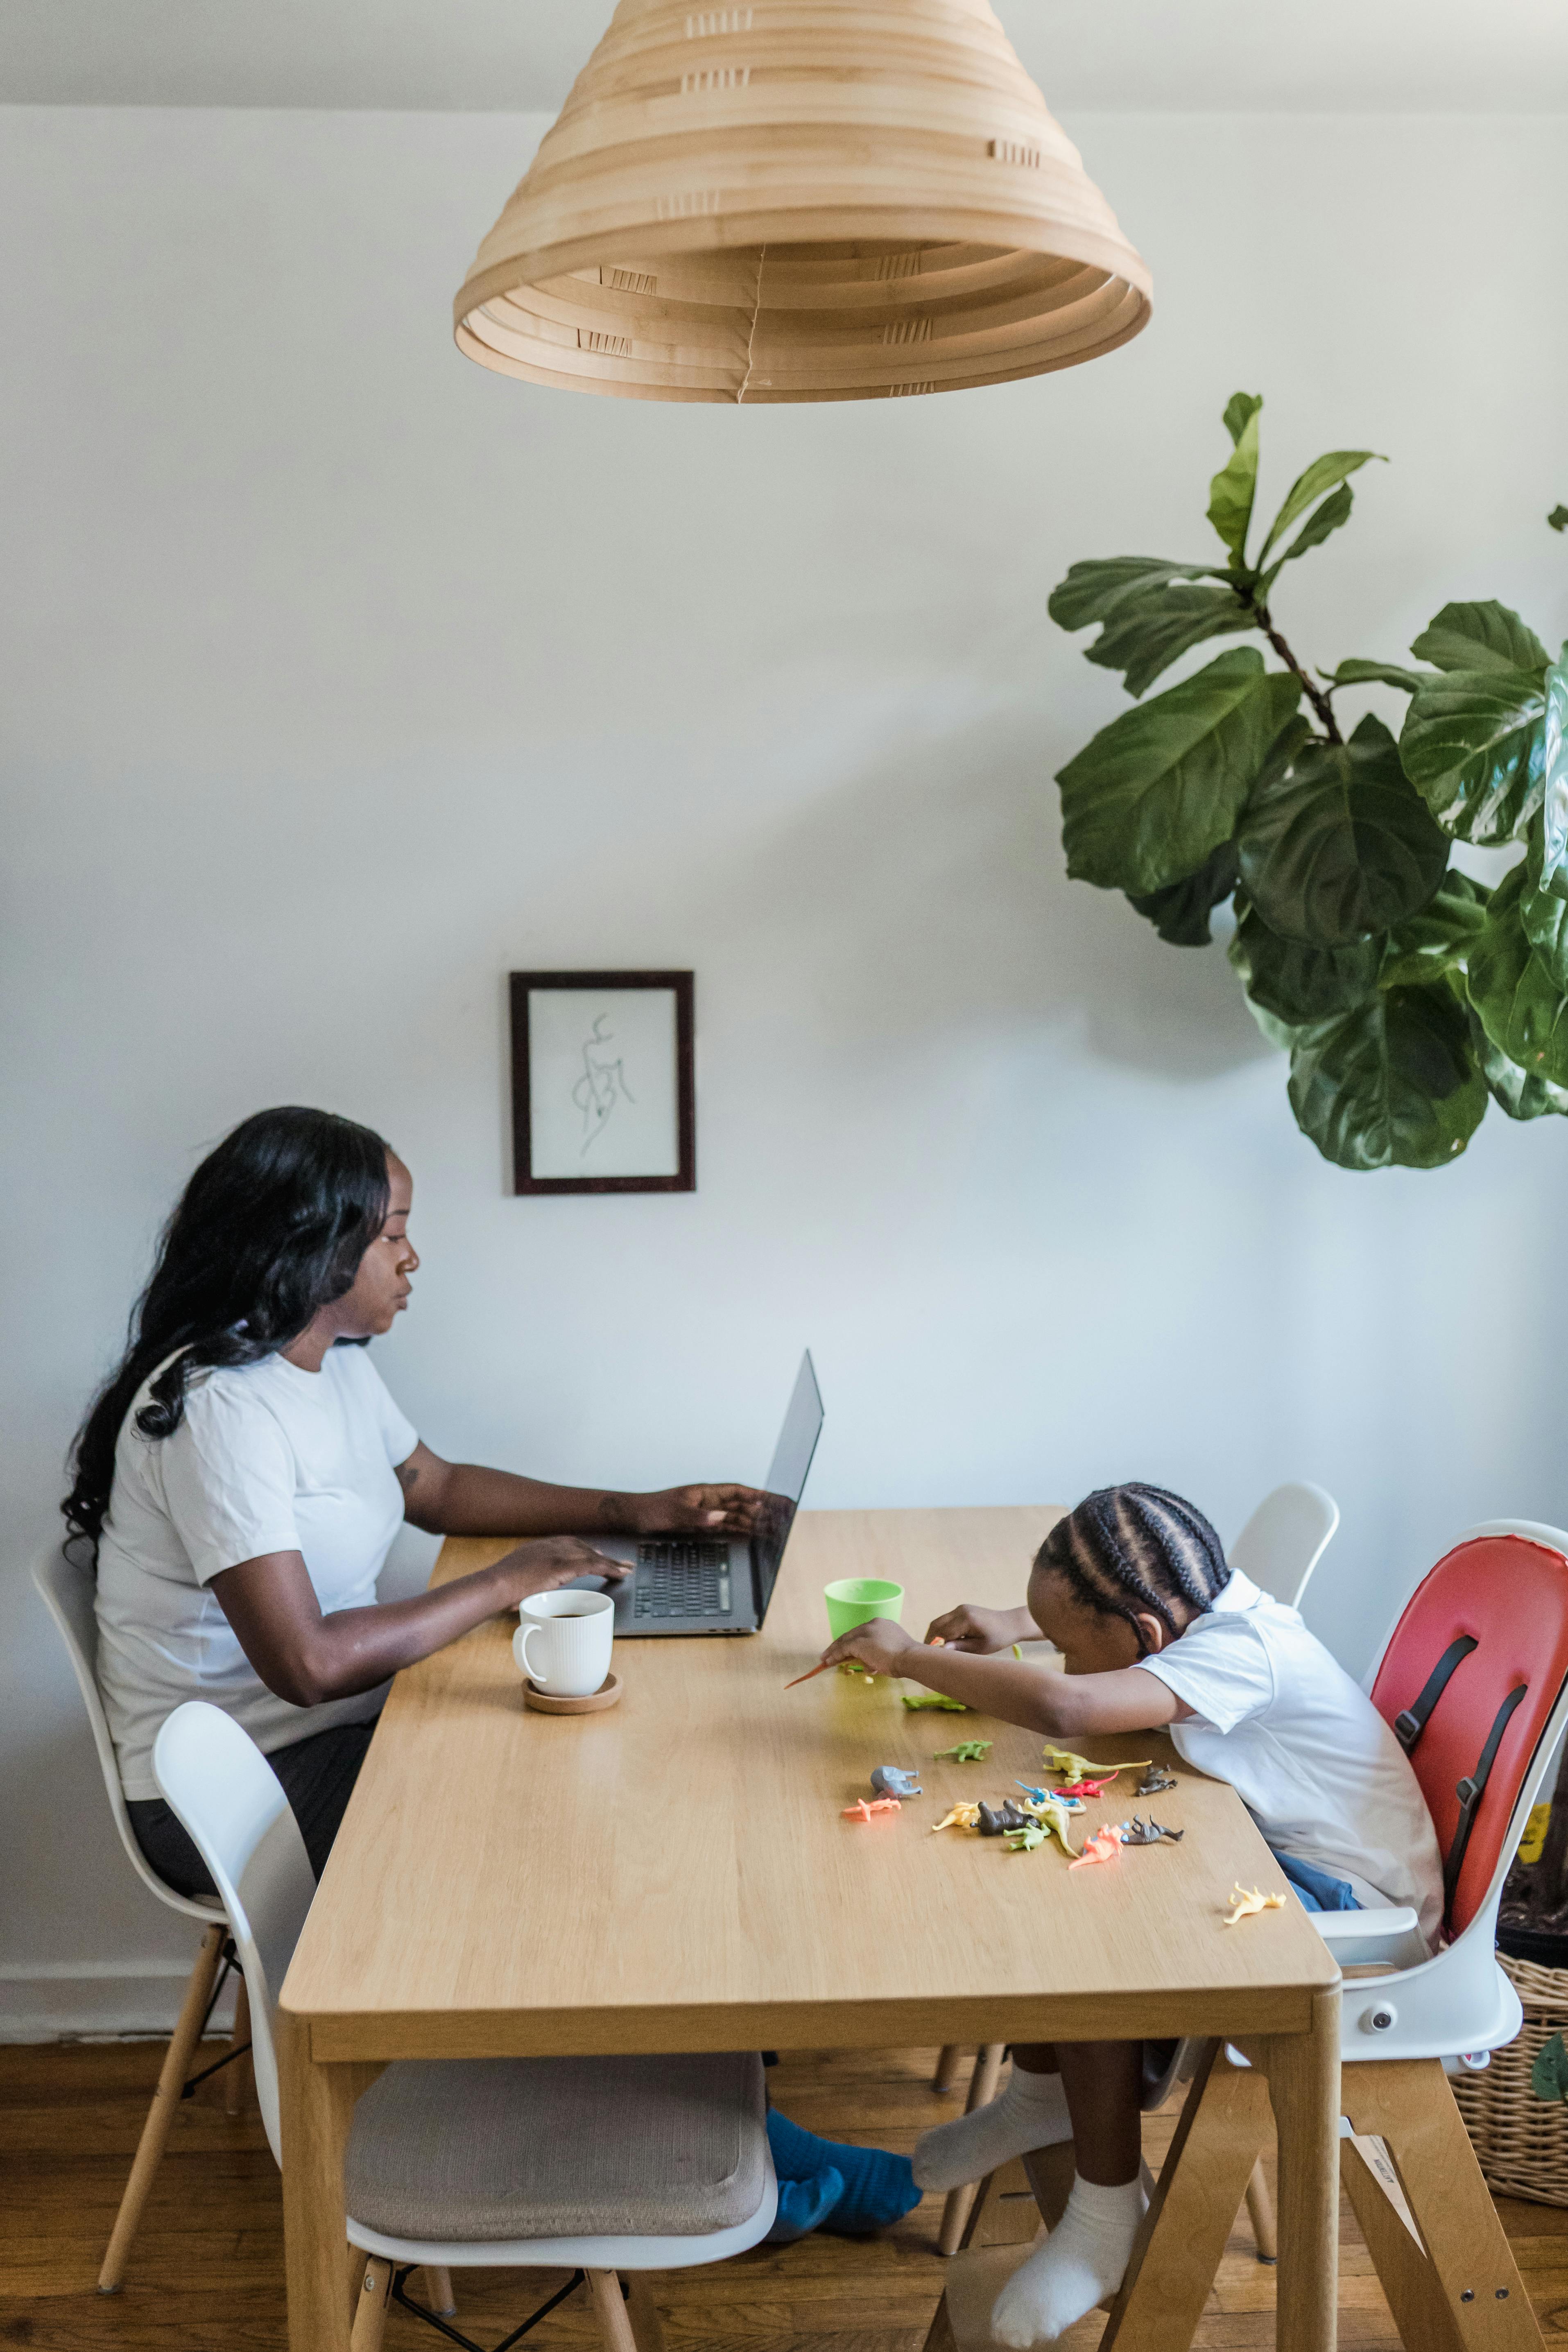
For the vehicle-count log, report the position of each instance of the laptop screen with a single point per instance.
(787, 1479)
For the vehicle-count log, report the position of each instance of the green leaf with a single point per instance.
(1376, 673)
(1146, 633)
(1323, 474)
(1091, 592)
(1238, 410)
(1558, 517)
(1479, 637)
(1549, 2073)
(1298, 983)
(1513, 989)
(1512, 1088)
(1152, 796)
(1439, 938)
(1339, 845)
(1474, 745)
(1391, 1084)
(1552, 872)
(1180, 912)
(1333, 511)
(1233, 488)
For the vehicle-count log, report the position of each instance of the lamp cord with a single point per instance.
(752, 337)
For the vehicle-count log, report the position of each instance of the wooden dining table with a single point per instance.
(677, 1872)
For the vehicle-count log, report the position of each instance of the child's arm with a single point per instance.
(1127, 1700)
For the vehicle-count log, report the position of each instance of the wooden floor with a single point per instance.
(207, 2272)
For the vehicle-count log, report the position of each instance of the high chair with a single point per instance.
(1474, 1682)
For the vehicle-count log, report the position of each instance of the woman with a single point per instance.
(242, 1476)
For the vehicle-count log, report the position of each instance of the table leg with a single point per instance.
(1304, 2087)
(316, 2106)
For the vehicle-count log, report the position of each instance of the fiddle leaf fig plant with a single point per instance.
(1407, 994)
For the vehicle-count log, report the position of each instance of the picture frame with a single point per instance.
(604, 1096)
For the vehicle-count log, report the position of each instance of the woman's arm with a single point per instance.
(307, 1658)
(1063, 1704)
(461, 1498)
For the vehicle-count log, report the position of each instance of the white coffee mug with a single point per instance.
(562, 1642)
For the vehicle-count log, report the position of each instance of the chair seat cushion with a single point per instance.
(544, 2148)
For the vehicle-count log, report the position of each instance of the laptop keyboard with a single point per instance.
(677, 1578)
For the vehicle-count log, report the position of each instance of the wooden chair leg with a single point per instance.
(1471, 2279)
(947, 2066)
(1260, 2213)
(610, 2310)
(982, 2091)
(1196, 2198)
(162, 2113)
(237, 2077)
(369, 2311)
(647, 2328)
(1414, 2290)
(438, 2289)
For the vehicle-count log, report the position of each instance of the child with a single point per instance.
(1154, 1628)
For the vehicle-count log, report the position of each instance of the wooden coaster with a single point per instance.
(608, 1695)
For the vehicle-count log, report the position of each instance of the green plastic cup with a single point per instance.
(856, 1600)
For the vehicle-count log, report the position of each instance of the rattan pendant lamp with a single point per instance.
(801, 200)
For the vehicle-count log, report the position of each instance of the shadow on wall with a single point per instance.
(931, 894)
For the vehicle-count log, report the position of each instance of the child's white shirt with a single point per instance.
(1304, 1748)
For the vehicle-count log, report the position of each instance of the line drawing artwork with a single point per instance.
(602, 1086)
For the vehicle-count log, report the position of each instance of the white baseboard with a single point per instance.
(59, 2001)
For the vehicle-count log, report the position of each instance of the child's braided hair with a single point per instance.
(1131, 1550)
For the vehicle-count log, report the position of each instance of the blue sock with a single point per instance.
(878, 2187)
(804, 2205)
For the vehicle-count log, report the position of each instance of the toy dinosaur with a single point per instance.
(1025, 1840)
(996, 1821)
(1079, 1768)
(1247, 1903)
(967, 1751)
(1155, 1781)
(862, 1812)
(1053, 1817)
(935, 1698)
(1051, 1797)
(959, 1817)
(1086, 1788)
(1138, 1832)
(888, 1781)
(1103, 1846)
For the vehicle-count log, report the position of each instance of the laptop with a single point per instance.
(700, 1584)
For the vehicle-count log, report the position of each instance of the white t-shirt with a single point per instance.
(268, 1458)
(1304, 1748)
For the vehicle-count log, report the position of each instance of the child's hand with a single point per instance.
(878, 1646)
(980, 1631)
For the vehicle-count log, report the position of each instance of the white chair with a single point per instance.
(591, 2165)
(1285, 1538)
(68, 1593)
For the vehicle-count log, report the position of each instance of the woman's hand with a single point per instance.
(879, 1646)
(981, 1631)
(548, 1562)
(695, 1510)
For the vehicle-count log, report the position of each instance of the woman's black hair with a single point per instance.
(271, 1227)
(1130, 1550)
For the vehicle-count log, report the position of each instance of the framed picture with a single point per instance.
(603, 1098)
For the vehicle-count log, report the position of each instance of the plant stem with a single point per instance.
(1315, 694)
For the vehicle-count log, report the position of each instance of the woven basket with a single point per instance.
(1520, 2141)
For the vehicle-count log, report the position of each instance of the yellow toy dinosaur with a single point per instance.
(1246, 1902)
(1079, 1768)
(1055, 1819)
(961, 1816)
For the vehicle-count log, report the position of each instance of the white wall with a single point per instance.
(339, 676)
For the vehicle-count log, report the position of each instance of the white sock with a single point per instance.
(1084, 2259)
(1032, 2112)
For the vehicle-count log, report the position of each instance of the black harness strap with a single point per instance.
(1408, 1726)
(1470, 1793)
